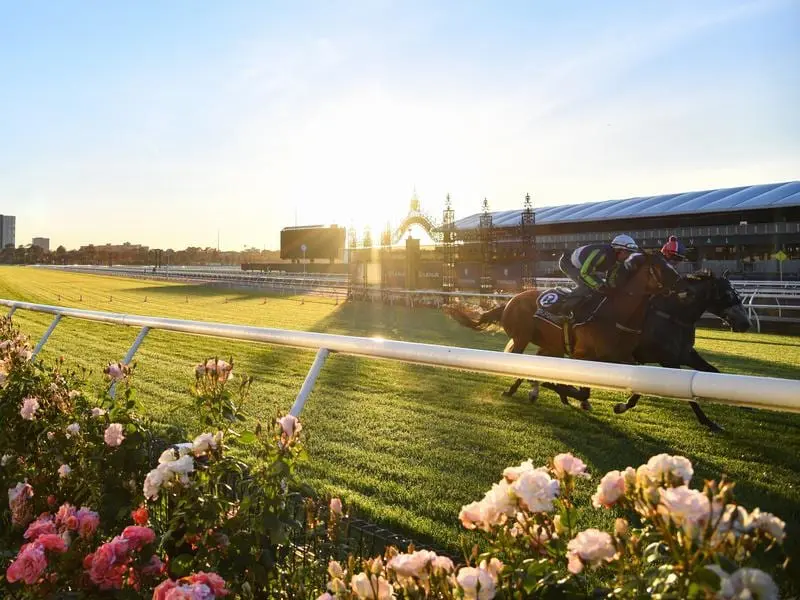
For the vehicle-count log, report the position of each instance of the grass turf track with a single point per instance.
(409, 444)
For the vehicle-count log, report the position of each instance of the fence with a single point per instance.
(757, 392)
(766, 301)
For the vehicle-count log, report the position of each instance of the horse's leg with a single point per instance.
(622, 407)
(700, 364)
(515, 347)
(565, 392)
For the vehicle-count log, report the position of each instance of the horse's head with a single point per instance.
(705, 292)
(650, 273)
(727, 305)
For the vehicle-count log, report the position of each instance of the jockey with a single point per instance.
(585, 262)
(673, 250)
(583, 265)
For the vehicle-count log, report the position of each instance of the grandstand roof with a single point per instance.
(770, 195)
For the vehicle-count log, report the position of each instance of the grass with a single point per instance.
(407, 444)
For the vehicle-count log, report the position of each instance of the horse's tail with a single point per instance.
(490, 317)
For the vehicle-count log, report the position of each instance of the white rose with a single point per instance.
(746, 583)
(167, 456)
(477, 584)
(363, 586)
(590, 547)
(152, 483)
(73, 429)
(566, 464)
(513, 473)
(611, 488)
(411, 565)
(203, 443)
(64, 470)
(687, 508)
(442, 563)
(536, 490)
(5, 460)
(335, 570)
(98, 412)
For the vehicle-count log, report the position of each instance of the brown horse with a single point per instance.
(611, 336)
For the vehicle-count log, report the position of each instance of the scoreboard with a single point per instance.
(319, 242)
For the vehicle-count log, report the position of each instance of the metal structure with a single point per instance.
(757, 392)
(528, 238)
(488, 248)
(448, 247)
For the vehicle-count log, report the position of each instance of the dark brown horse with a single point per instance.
(611, 336)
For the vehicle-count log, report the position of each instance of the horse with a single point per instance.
(611, 336)
(668, 335)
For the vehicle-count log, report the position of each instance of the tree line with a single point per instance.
(129, 254)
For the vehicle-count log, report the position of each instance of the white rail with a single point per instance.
(758, 392)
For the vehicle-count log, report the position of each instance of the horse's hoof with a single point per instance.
(585, 405)
(714, 427)
(533, 396)
(507, 394)
(620, 408)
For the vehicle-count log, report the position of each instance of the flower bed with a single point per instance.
(102, 503)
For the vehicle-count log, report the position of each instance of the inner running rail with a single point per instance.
(758, 392)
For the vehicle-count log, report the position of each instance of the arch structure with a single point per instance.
(417, 218)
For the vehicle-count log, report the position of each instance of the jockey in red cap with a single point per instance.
(673, 250)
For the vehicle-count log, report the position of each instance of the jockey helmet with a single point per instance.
(673, 249)
(625, 242)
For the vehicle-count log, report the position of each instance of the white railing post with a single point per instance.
(129, 356)
(310, 380)
(46, 335)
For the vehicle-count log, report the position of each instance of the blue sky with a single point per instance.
(162, 122)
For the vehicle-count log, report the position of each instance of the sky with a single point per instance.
(168, 123)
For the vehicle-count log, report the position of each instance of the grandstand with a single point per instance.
(740, 229)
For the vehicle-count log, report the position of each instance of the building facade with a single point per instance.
(751, 231)
(8, 231)
(42, 242)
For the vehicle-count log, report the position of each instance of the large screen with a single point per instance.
(320, 242)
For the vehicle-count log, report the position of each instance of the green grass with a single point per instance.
(409, 444)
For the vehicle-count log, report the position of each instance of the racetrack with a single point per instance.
(409, 444)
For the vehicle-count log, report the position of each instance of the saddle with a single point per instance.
(561, 305)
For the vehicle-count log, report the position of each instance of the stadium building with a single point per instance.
(753, 232)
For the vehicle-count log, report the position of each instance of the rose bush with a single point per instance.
(156, 519)
(674, 542)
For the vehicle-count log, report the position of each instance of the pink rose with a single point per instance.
(41, 526)
(212, 580)
(28, 566)
(113, 435)
(138, 536)
(566, 464)
(88, 521)
(108, 565)
(52, 542)
(160, 593)
(29, 407)
(290, 425)
(336, 506)
(64, 513)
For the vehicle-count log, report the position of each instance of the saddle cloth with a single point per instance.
(554, 305)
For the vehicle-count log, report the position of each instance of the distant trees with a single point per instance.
(131, 254)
